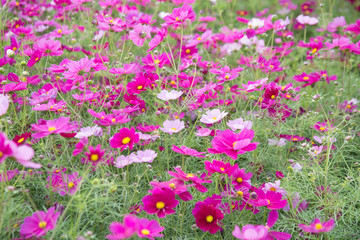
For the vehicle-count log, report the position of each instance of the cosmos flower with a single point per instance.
(124, 138)
(55, 126)
(39, 223)
(233, 144)
(207, 217)
(187, 151)
(212, 116)
(317, 226)
(162, 202)
(171, 127)
(306, 20)
(166, 95)
(239, 123)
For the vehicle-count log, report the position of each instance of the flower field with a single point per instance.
(179, 119)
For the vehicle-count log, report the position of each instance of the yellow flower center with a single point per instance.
(314, 50)
(209, 219)
(1, 154)
(239, 180)
(318, 226)
(177, 19)
(21, 140)
(222, 169)
(199, 38)
(295, 139)
(174, 129)
(348, 106)
(172, 185)
(140, 87)
(240, 193)
(288, 96)
(51, 129)
(324, 75)
(227, 77)
(14, 48)
(111, 20)
(126, 140)
(145, 232)
(156, 61)
(59, 31)
(160, 205)
(172, 82)
(94, 157)
(42, 224)
(187, 51)
(322, 128)
(273, 189)
(271, 66)
(190, 175)
(268, 201)
(113, 120)
(71, 185)
(306, 78)
(214, 118)
(272, 96)
(176, 117)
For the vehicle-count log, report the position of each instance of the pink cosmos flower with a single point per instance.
(203, 132)
(147, 155)
(48, 47)
(172, 126)
(39, 223)
(317, 227)
(159, 37)
(239, 123)
(220, 167)
(63, 183)
(307, 20)
(78, 70)
(162, 202)
(270, 199)
(166, 95)
(212, 116)
(55, 126)
(190, 177)
(139, 34)
(123, 230)
(177, 186)
(79, 147)
(251, 232)
(94, 155)
(127, 69)
(207, 216)
(241, 179)
(179, 16)
(187, 151)
(8, 175)
(323, 126)
(124, 138)
(34, 58)
(336, 23)
(4, 104)
(199, 39)
(274, 187)
(89, 131)
(233, 144)
(122, 161)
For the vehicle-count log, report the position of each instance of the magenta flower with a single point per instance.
(179, 16)
(190, 177)
(272, 218)
(159, 37)
(78, 70)
(149, 229)
(63, 183)
(207, 217)
(162, 202)
(124, 230)
(39, 223)
(124, 138)
(187, 151)
(241, 179)
(220, 167)
(336, 23)
(55, 126)
(139, 34)
(233, 144)
(79, 147)
(322, 126)
(317, 227)
(94, 156)
(48, 47)
(34, 58)
(177, 186)
(270, 199)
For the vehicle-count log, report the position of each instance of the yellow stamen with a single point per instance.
(160, 205)
(126, 140)
(145, 232)
(94, 157)
(239, 180)
(71, 185)
(51, 129)
(21, 140)
(172, 185)
(140, 87)
(199, 38)
(318, 226)
(42, 224)
(209, 219)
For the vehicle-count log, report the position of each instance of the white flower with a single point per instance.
(89, 131)
(307, 20)
(276, 142)
(212, 116)
(166, 95)
(255, 23)
(147, 155)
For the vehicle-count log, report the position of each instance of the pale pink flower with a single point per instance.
(172, 126)
(307, 20)
(166, 95)
(212, 116)
(239, 123)
(4, 104)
